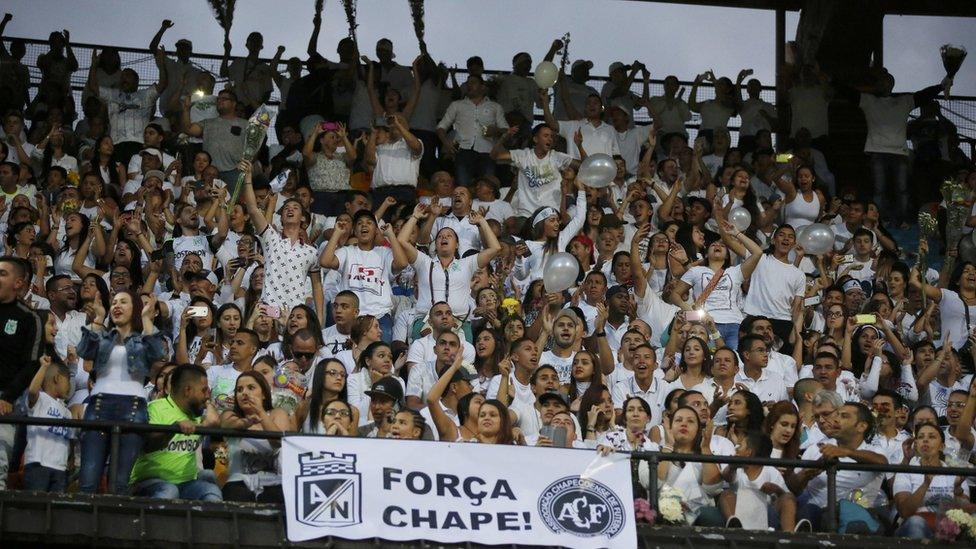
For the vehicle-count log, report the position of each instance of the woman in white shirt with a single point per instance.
(546, 238)
(721, 299)
(76, 227)
(918, 497)
(694, 370)
(957, 303)
(803, 203)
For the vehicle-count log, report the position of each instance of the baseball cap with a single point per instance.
(615, 108)
(553, 394)
(153, 151)
(617, 65)
(567, 312)
(184, 41)
(581, 62)
(387, 387)
(464, 374)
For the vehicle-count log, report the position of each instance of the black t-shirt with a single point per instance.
(21, 337)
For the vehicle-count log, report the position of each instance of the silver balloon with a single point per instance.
(817, 239)
(740, 218)
(560, 272)
(597, 170)
(546, 74)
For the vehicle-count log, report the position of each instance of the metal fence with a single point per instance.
(830, 467)
(960, 110)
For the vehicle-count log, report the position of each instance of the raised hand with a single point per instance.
(166, 24)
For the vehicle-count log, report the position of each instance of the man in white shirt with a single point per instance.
(854, 426)
(784, 365)
(424, 375)
(777, 286)
(476, 120)
(396, 75)
(63, 297)
(755, 373)
(644, 384)
(394, 153)
(565, 336)
(525, 361)
(598, 137)
(539, 183)
(629, 139)
(826, 370)
(345, 310)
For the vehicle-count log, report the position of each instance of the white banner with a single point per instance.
(360, 488)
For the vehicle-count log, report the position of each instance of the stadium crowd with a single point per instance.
(381, 275)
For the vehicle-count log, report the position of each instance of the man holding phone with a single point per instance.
(560, 433)
(385, 400)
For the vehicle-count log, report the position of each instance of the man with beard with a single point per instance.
(64, 300)
(566, 336)
(168, 467)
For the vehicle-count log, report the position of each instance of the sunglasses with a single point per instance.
(303, 356)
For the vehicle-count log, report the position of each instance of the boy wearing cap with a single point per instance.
(385, 399)
(571, 93)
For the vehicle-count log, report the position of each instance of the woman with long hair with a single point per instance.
(328, 383)
(494, 423)
(544, 238)
(196, 337)
(120, 357)
(741, 195)
(76, 227)
(630, 432)
(782, 427)
(51, 151)
(338, 419)
(328, 169)
(745, 413)
(252, 463)
(695, 367)
(584, 374)
(489, 350)
(229, 319)
(692, 242)
(375, 362)
(301, 317)
(103, 162)
(364, 332)
(595, 413)
(513, 329)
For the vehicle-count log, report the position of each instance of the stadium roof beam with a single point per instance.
(940, 8)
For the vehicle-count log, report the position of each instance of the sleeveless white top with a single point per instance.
(799, 212)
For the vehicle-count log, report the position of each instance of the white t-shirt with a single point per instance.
(773, 286)
(752, 119)
(724, 303)
(499, 210)
(198, 244)
(596, 139)
(952, 312)
(539, 179)
(222, 380)
(940, 490)
(523, 393)
(48, 445)
(629, 144)
(887, 119)
(368, 274)
(563, 366)
(422, 351)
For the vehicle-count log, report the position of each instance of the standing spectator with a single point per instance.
(129, 108)
(366, 268)
(540, 168)
(46, 456)
(20, 343)
(517, 91)
(574, 90)
(14, 75)
(223, 137)
(181, 72)
(476, 120)
(168, 467)
(328, 169)
(394, 155)
(59, 62)
(716, 113)
(670, 110)
(616, 92)
(251, 77)
(597, 136)
(120, 359)
(757, 115)
(397, 76)
(777, 286)
(289, 259)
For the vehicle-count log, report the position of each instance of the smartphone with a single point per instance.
(865, 319)
(694, 316)
(811, 301)
(558, 437)
(783, 158)
(849, 258)
(198, 311)
(157, 255)
(270, 311)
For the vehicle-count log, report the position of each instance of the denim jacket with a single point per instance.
(142, 350)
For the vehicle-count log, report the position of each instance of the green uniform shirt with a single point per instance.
(177, 461)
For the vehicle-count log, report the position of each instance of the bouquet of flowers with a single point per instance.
(73, 178)
(952, 58)
(955, 194)
(643, 512)
(956, 525)
(511, 306)
(254, 134)
(671, 506)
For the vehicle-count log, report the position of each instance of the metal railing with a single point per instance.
(830, 467)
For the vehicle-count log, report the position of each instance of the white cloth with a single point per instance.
(596, 139)
(396, 165)
(367, 274)
(115, 379)
(887, 120)
(773, 286)
(422, 351)
(724, 303)
(847, 481)
(469, 122)
(128, 113)
(453, 284)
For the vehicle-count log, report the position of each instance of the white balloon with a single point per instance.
(817, 239)
(560, 272)
(740, 218)
(546, 74)
(597, 170)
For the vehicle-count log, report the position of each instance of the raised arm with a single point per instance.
(419, 212)
(313, 40)
(328, 259)
(446, 427)
(308, 150)
(275, 63)
(258, 221)
(415, 90)
(546, 111)
(500, 154)
(693, 103)
(488, 238)
(163, 27)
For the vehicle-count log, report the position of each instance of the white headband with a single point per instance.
(546, 213)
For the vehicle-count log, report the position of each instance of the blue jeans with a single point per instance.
(386, 326)
(198, 490)
(96, 445)
(44, 479)
(914, 527)
(469, 164)
(730, 334)
(889, 173)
